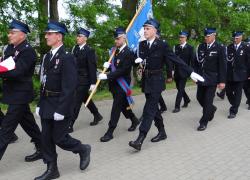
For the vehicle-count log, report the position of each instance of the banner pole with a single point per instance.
(112, 55)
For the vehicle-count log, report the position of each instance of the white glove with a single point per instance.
(58, 117)
(8, 63)
(37, 111)
(92, 87)
(196, 77)
(138, 60)
(106, 65)
(102, 76)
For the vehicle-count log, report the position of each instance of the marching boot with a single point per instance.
(135, 123)
(138, 142)
(160, 136)
(176, 110)
(97, 117)
(186, 103)
(85, 156)
(108, 135)
(36, 156)
(51, 172)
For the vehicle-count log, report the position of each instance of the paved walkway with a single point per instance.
(222, 152)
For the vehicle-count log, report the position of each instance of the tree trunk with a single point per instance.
(43, 20)
(129, 7)
(53, 10)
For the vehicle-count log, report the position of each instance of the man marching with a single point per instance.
(186, 52)
(238, 71)
(58, 84)
(18, 90)
(86, 69)
(210, 63)
(119, 84)
(153, 54)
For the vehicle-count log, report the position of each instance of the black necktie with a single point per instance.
(77, 49)
(148, 44)
(50, 55)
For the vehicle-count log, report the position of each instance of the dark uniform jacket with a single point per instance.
(86, 65)
(123, 62)
(238, 62)
(187, 55)
(17, 83)
(210, 63)
(58, 85)
(154, 59)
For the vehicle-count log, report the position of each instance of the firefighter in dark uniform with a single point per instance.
(153, 54)
(210, 63)
(186, 52)
(58, 84)
(169, 73)
(86, 68)
(18, 90)
(120, 68)
(238, 69)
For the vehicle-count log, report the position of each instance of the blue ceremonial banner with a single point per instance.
(135, 33)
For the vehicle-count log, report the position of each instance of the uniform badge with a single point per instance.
(118, 61)
(57, 62)
(241, 52)
(212, 53)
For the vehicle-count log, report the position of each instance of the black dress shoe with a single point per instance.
(231, 116)
(97, 117)
(202, 127)
(186, 104)
(160, 136)
(107, 137)
(162, 110)
(220, 95)
(176, 110)
(51, 172)
(135, 123)
(85, 156)
(33, 157)
(138, 142)
(14, 138)
(212, 117)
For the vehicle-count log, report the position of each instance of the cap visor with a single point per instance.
(52, 31)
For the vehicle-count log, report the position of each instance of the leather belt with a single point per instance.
(48, 93)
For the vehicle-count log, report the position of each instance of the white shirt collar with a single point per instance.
(53, 51)
(184, 44)
(237, 45)
(151, 42)
(210, 45)
(123, 46)
(81, 46)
